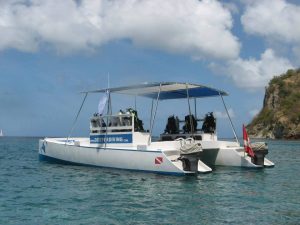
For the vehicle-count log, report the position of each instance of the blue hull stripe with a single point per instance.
(60, 161)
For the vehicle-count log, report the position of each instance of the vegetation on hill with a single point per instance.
(280, 115)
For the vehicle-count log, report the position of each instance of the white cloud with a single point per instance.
(201, 29)
(223, 115)
(277, 21)
(252, 73)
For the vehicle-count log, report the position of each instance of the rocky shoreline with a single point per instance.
(280, 116)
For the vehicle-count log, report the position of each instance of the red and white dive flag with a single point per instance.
(247, 146)
(158, 160)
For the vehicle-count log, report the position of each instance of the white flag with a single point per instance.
(102, 103)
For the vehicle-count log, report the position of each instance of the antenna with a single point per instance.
(109, 108)
(108, 80)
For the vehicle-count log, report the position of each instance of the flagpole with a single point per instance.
(244, 141)
(247, 145)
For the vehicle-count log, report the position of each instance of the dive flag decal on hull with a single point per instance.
(158, 160)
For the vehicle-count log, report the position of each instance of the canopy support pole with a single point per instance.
(152, 123)
(190, 112)
(108, 111)
(195, 103)
(151, 112)
(232, 127)
(73, 125)
(110, 106)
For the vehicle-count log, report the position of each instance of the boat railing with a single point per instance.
(198, 120)
(189, 127)
(196, 130)
(112, 123)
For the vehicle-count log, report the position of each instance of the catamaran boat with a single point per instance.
(120, 141)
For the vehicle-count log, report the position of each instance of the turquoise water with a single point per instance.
(34, 192)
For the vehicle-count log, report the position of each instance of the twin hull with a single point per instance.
(159, 157)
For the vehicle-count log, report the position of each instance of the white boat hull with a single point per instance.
(231, 157)
(120, 158)
(163, 159)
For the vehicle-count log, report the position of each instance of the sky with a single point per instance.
(51, 50)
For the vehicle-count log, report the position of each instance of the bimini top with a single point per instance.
(166, 90)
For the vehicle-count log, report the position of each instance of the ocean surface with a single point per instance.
(35, 192)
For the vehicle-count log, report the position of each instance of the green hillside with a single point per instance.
(280, 115)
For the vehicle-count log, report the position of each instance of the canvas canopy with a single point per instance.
(166, 90)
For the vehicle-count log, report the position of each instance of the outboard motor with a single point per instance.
(190, 155)
(260, 150)
(209, 123)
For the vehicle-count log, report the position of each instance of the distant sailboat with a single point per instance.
(1, 133)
